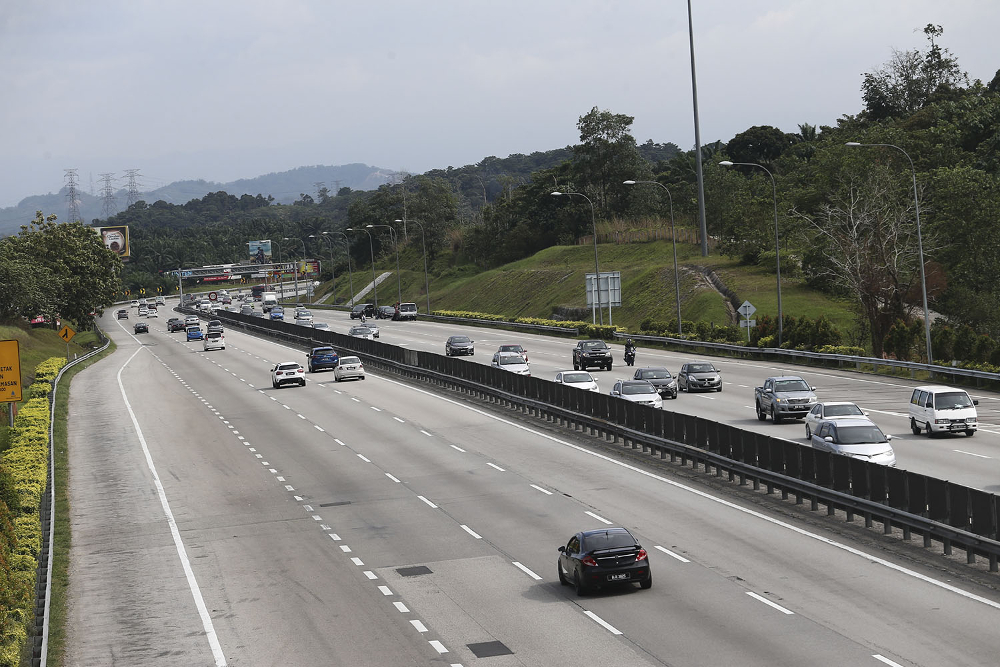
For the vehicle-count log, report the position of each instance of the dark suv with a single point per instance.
(591, 353)
(367, 308)
(596, 558)
(322, 357)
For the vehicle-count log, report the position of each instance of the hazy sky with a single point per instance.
(222, 90)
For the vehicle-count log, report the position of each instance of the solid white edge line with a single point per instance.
(600, 621)
(471, 532)
(769, 603)
(707, 496)
(882, 658)
(672, 554)
(199, 601)
(526, 570)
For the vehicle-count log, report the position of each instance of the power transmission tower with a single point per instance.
(133, 187)
(72, 196)
(319, 186)
(337, 186)
(108, 197)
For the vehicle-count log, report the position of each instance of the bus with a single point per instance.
(257, 291)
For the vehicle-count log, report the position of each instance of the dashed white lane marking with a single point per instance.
(769, 603)
(493, 465)
(357, 561)
(599, 518)
(400, 606)
(882, 658)
(285, 406)
(545, 491)
(371, 575)
(317, 517)
(356, 400)
(318, 428)
(346, 549)
(418, 625)
(458, 448)
(364, 458)
(526, 570)
(300, 416)
(426, 433)
(438, 646)
(471, 532)
(672, 554)
(399, 420)
(335, 537)
(600, 621)
(981, 456)
(385, 590)
(375, 409)
(433, 506)
(339, 442)
(392, 478)
(289, 487)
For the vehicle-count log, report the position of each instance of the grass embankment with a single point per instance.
(554, 278)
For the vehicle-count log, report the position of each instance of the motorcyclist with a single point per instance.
(629, 351)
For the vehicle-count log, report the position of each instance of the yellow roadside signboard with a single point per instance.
(10, 371)
(66, 334)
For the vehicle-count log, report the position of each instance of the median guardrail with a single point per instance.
(939, 511)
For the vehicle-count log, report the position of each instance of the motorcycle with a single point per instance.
(630, 357)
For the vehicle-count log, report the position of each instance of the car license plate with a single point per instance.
(618, 577)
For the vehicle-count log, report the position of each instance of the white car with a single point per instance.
(512, 362)
(854, 437)
(288, 372)
(374, 327)
(134, 304)
(361, 332)
(512, 347)
(578, 379)
(322, 326)
(823, 411)
(191, 320)
(303, 315)
(215, 341)
(638, 391)
(143, 311)
(151, 312)
(347, 368)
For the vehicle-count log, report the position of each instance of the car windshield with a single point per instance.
(654, 375)
(408, 307)
(322, 351)
(701, 368)
(287, 367)
(506, 359)
(594, 345)
(577, 377)
(321, 325)
(349, 360)
(843, 410)
(608, 540)
(952, 400)
(791, 385)
(510, 348)
(459, 339)
(859, 435)
(361, 331)
(644, 388)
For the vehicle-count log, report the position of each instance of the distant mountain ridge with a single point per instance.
(285, 187)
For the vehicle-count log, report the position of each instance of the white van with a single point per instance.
(938, 409)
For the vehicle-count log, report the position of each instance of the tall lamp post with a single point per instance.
(371, 248)
(673, 240)
(597, 269)
(920, 243)
(423, 246)
(281, 284)
(777, 258)
(295, 265)
(350, 275)
(395, 246)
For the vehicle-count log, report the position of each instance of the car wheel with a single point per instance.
(648, 583)
(720, 388)
(775, 417)
(930, 433)
(562, 578)
(303, 383)
(609, 367)
(581, 590)
(336, 378)
(274, 385)
(576, 366)
(913, 426)
(760, 413)
(970, 433)
(809, 434)
(362, 377)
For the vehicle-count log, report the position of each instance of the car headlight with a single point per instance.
(970, 420)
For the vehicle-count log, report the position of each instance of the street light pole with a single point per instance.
(697, 141)
(673, 240)
(777, 258)
(920, 244)
(350, 274)
(423, 246)
(371, 248)
(295, 265)
(395, 246)
(597, 269)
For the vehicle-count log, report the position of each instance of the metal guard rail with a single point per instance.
(488, 383)
(816, 356)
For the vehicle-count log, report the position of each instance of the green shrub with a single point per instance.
(39, 389)
(842, 349)
(49, 369)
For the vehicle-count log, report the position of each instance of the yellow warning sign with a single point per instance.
(66, 334)
(10, 371)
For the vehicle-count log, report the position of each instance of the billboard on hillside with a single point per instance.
(115, 239)
(260, 251)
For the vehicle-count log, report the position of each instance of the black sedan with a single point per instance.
(660, 378)
(385, 312)
(595, 558)
(141, 327)
(175, 324)
(459, 345)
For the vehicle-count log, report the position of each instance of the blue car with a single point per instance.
(278, 313)
(195, 333)
(322, 357)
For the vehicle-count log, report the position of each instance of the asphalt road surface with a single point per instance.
(219, 521)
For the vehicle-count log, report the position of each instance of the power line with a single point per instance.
(108, 197)
(133, 187)
(71, 195)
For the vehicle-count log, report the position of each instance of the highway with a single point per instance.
(377, 523)
(973, 462)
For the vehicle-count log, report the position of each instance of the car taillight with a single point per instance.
(589, 560)
(277, 373)
(641, 555)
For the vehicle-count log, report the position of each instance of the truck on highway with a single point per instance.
(787, 396)
(268, 300)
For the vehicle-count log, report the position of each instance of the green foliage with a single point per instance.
(585, 329)
(761, 144)
(849, 350)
